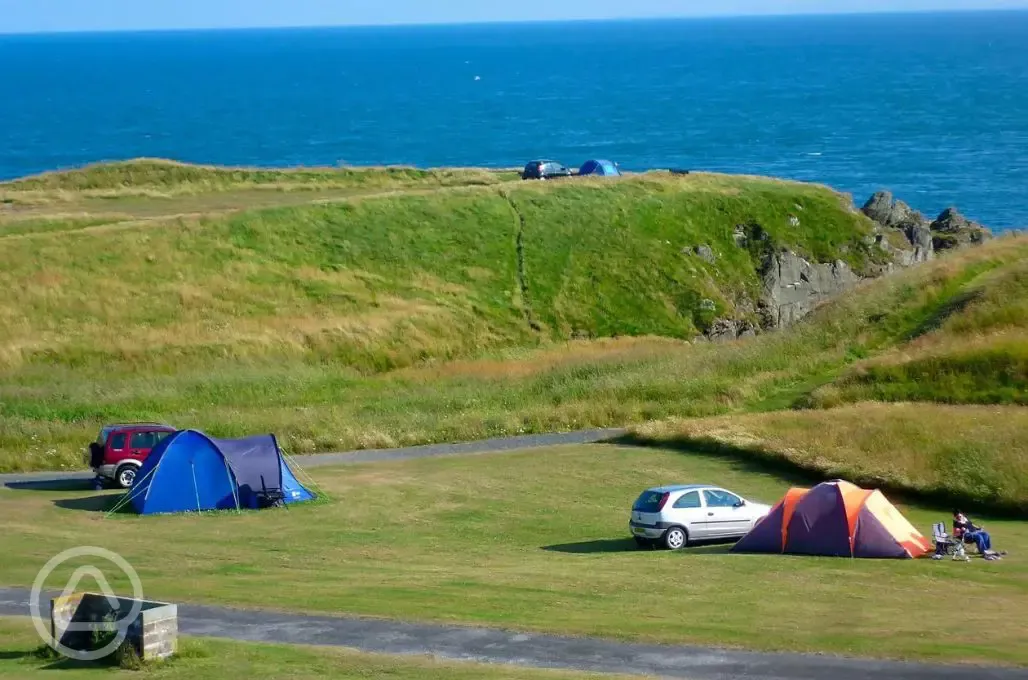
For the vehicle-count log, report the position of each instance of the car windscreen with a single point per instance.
(649, 501)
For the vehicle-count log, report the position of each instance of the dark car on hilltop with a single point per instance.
(545, 170)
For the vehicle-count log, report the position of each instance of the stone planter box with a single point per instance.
(153, 633)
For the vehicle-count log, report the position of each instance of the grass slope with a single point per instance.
(200, 659)
(54, 403)
(538, 541)
(976, 456)
(971, 348)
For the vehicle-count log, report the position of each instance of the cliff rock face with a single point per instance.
(794, 287)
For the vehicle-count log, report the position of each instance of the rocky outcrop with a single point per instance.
(923, 238)
(794, 287)
(705, 253)
(953, 230)
(724, 330)
(904, 233)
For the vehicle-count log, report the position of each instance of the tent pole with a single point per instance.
(196, 491)
(232, 483)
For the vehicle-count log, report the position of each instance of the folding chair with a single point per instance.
(270, 497)
(945, 544)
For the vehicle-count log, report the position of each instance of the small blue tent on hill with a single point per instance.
(600, 169)
(190, 472)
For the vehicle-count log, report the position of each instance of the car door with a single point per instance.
(141, 443)
(688, 511)
(117, 448)
(727, 517)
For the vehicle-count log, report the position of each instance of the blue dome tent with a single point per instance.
(600, 169)
(191, 472)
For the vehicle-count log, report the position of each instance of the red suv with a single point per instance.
(119, 451)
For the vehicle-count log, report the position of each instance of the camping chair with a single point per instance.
(945, 544)
(270, 497)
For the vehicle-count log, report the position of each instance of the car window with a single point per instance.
(160, 436)
(118, 441)
(689, 500)
(720, 499)
(104, 434)
(143, 440)
(649, 501)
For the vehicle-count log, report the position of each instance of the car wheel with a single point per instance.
(676, 538)
(125, 475)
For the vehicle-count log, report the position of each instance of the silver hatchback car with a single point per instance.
(675, 516)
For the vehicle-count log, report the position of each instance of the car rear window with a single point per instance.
(649, 501)
(104, 434)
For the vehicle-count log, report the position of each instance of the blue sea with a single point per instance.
(931, 106)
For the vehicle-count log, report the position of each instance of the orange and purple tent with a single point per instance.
(835, 519)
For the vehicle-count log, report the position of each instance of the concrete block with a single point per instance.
(153, 632)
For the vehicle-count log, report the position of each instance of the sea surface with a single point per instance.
(931, 106)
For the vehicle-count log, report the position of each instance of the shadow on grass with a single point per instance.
(620, 545)
(760, 461)
(52, 485)
(742, 459)
(594, 547)
(17, 656)
(101, 503)
(44, 658)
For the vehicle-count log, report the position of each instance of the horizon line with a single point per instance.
(520, 22)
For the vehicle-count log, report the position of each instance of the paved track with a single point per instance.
(489, 645)
(499, 445)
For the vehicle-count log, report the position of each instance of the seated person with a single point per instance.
(967, 531)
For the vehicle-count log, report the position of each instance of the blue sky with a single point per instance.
(18, 16)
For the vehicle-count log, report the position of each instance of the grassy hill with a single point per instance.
(382, 282)
(429, 313)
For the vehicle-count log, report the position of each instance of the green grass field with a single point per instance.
(538, 541)
(216, 660)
